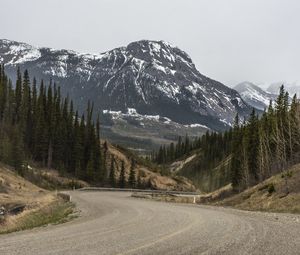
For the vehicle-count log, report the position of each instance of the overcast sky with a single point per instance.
(228, 40)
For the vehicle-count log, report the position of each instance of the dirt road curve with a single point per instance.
(114, 223)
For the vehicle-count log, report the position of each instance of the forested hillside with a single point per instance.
(37, 124)
(40, 127)
(250, 152)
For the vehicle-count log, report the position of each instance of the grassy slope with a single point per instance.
(261, 197)
(41, 206)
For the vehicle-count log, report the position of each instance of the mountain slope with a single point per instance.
(152, 77)
(269, 195)
(255, 96)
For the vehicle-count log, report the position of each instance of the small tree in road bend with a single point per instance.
(112, 172)
(132, 177)
(122, 176)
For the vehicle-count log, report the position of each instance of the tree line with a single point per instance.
(213, 147)
(267, 145)
(37, 124)
(258, 147)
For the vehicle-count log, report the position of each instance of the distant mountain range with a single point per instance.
(145, 78)
(254, 95)
(292, 88)
(259, 98)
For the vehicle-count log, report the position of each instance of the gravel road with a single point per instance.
(115, 223)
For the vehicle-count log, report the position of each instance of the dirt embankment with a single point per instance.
(20, 199)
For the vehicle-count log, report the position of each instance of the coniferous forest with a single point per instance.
(38, 125)
(258, 147)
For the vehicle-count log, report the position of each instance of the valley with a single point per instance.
(138, 127)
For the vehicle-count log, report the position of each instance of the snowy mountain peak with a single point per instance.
(158, 51)
(292, 88)
(152, 77)
(254, 95)
(18, 52)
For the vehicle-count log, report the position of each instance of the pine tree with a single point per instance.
(90, 170)
(236, 161)
(40, 126)
(18, 151)
(112, 178)
(132, 177)
(18, 96)
(293, 128)
(252, 147)
(122, 180)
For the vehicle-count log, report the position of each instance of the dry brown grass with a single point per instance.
(55, 212)
(263, 197)
(15, 190)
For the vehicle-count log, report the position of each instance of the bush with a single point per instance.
(271, 188)
(287, 174)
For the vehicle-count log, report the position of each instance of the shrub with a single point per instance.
(271, 188)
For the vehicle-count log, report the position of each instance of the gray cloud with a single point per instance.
(231, 41)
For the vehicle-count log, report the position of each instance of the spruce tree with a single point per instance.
(122, 180)
(112, 178)
(132, 174)
(252, 147)
(236, 161)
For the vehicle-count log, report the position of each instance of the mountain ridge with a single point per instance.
(255, 96)
(152, 77)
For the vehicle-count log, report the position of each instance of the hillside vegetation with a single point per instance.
(148, 175)
(207, 179)
(280, 193)
(40, 127)
(250, 152)
(26, 205)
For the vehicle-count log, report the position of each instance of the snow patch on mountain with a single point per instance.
(197, 125)
(21, 53)
(132, 113)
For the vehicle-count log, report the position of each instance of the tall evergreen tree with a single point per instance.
(122, 180)
(112, 177)
(252, 147)
(132, 174)
(236, 160)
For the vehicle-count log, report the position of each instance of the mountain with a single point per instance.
(292, 88)
(254, 95)
(153, 78)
